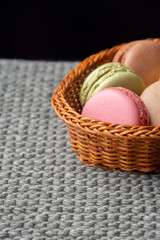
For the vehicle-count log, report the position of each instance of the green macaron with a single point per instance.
(112, 74)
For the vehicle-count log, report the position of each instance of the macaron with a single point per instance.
(117, 105)
(119, 56)
(143, 57)
(151, 98)
(110, 75)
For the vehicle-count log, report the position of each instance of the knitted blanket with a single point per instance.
(45, 191)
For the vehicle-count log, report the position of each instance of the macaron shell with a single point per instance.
(144, 59)
(117, 105)
(151, 98)
(124, 79)
(120, 53)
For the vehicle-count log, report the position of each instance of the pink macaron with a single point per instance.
(117, 105)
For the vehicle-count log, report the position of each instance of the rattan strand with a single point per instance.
(109, 146)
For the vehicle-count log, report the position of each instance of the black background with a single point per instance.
(73, 30)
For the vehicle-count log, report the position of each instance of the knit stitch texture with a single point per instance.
(45, 191)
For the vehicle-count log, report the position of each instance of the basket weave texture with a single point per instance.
(134, 149)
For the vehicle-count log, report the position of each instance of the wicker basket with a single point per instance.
(115, 147)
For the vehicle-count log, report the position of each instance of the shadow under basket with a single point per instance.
(115, 147)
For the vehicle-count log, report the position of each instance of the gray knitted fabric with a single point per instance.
(45, 191)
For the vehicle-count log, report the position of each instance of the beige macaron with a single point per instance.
(151, 98)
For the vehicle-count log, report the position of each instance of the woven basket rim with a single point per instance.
(90, 125)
